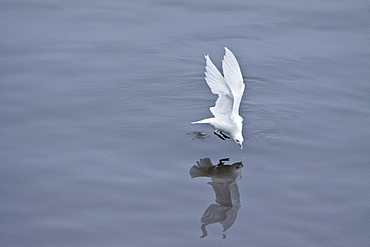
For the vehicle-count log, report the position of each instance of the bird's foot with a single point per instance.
(224, 135)
(220, 136)
(222, 161)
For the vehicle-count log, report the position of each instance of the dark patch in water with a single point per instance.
(197, 135)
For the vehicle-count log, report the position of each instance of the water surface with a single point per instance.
(97, 99)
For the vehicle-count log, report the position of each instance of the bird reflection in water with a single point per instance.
(224, 183)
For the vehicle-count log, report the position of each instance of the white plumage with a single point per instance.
(230, 89)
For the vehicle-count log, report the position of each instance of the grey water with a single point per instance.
(97, 99)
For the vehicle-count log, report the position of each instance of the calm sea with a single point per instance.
(97, 99)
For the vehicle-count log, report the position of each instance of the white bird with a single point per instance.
(224, 183)
(230, 89)
(219, 173)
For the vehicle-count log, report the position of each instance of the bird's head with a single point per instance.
(239, 140)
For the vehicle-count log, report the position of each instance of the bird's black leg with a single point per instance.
(222, 161)
(220, 136)
(224, 135)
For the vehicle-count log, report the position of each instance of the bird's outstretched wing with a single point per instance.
(234, 79)
(222, 192)
(224, 104)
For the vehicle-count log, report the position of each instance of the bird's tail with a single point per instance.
(201, 169)
(196, 171)
(206, 121)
